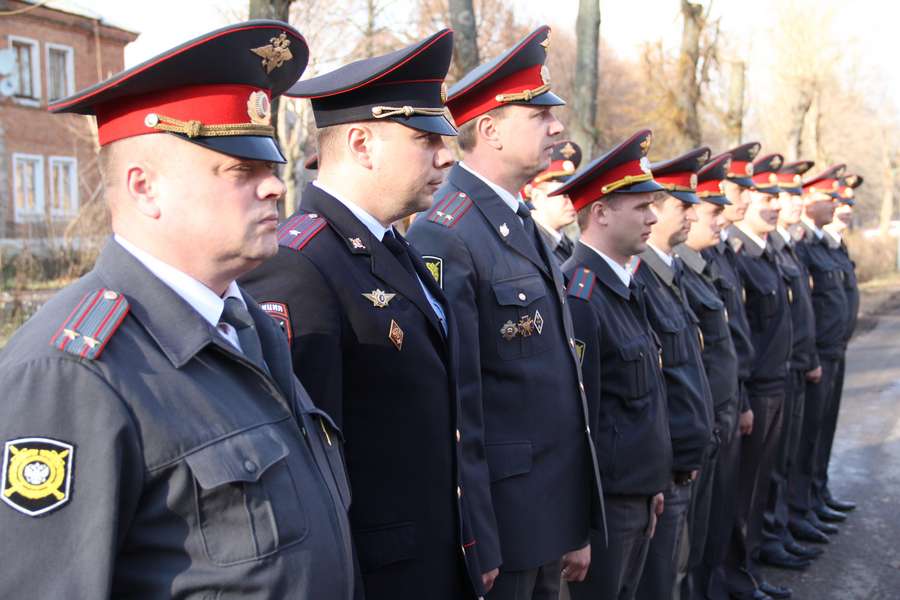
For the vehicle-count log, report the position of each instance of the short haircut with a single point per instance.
(327, 140)
(468, 133)
(584, 214)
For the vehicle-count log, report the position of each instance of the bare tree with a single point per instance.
(734, 118)
(465, 39)
(278, 10)
(587, 28)
(687, 95)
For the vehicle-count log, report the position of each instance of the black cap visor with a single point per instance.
(439, 125)
(686, 197)
(250, 147)
(640, 187)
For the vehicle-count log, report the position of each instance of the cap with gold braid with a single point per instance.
(741, 169)
(789, 176)
(518, 76)
(765, 173)
(846, 185)
(679, 175)
(214, 91)
(565, 157)
(405, 86)
(825, 184)
(710, 178)
(623, 170)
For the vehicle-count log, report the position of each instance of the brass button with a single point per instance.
(458, 436)
(522, 296)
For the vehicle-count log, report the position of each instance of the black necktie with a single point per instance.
(398, 249)
(531, 231)
(237, 315)
(566, 244)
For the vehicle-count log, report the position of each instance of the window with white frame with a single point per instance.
(63, 186)
(27, 71)
(60, 71)
(28, 187)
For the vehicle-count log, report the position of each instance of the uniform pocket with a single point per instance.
(519, 323)
(331, 441)
(247, 503)
(672, 336)
(508, 459)
(714, 321)
(380, 546)
(635, 370)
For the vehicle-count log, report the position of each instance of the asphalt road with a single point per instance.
(863, 561)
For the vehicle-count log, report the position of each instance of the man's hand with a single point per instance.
(657, 506)
(745, 424)
(575, 564)
(487, 579)
(814, 376)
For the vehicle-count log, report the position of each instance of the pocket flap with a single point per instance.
(633, 351)
(381, 546)
(243, 457)
(321, 414)
(711, 303)
(669, 325)
(507, 459)
(519, 291)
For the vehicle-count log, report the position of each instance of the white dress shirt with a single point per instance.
(378, 231)
(509, 199)
(666, 258)
(621, 272)
(753, 237)
(202, 299)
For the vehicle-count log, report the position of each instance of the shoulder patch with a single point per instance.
(582, 283)
(90, 326)
(36, 475)
(450, 209)
(299, 229)
(579, 350)
(736, 244)
(279, 313)
(435, 266)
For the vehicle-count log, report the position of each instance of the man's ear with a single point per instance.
(142, 188)
(360, 140)
(488, 132)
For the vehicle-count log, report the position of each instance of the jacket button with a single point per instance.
(458, 436)
(522, 296)
(250, 466)
(458, 492)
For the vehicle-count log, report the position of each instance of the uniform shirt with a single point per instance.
(719, 355)
(767, 311)
(803, 354)
(687, 388)
(193, 473)
(621, 360)
(851, 288)
(829, 296)
(559, 243)
(519, 374)
(378, 232)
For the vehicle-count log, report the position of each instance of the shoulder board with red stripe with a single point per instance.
(299, 229)
(581, 285)
(90, 326)
(633, 265)
(450, 209)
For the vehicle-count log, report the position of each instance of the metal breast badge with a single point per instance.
(379, 298)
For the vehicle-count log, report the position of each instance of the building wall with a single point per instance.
(32, 130)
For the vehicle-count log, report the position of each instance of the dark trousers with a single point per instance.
(800, 486)
(758, 452)
(721, 516)
(826, 437)
(669, 549)
(616, 567)
(698, 525)
(541, 583)
(777, 513)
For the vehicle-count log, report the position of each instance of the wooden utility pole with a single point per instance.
(584, 102)
(465, 36)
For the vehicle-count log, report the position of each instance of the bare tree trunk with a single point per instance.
(465, 37)
(734, 119)
(278, 10)
(688, 91)
(584, 105)
(887, 196)
(818, 124)
(371, 13)
(797, 118)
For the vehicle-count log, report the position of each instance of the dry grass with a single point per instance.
(875, 257)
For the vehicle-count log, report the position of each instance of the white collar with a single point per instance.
(723, 234)
(753, 237)
(621, 272)
(785, 234)
(809, 223)
(666, 258)
(201, 298)
(554, 235)
(834, 234)
(372, 224)
(512, 201)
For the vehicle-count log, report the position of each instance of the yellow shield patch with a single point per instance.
(579, 350)
(435, 266)
(37, 474)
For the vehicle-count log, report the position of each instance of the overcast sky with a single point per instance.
(867, 26)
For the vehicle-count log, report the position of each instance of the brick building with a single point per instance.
(47, 162)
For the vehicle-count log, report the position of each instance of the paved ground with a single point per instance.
(863, 561)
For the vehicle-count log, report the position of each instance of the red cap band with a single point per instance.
(467, 106)
(583, 195)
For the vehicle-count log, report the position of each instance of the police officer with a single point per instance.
(719, 359)
(735, 184)
(826, 503)
(519, 372)
(156, 443)
(831, 310)
(620, 362)
(769, 317)
(553, 213)
(373, 338)
(779, 548)
(687, 389)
